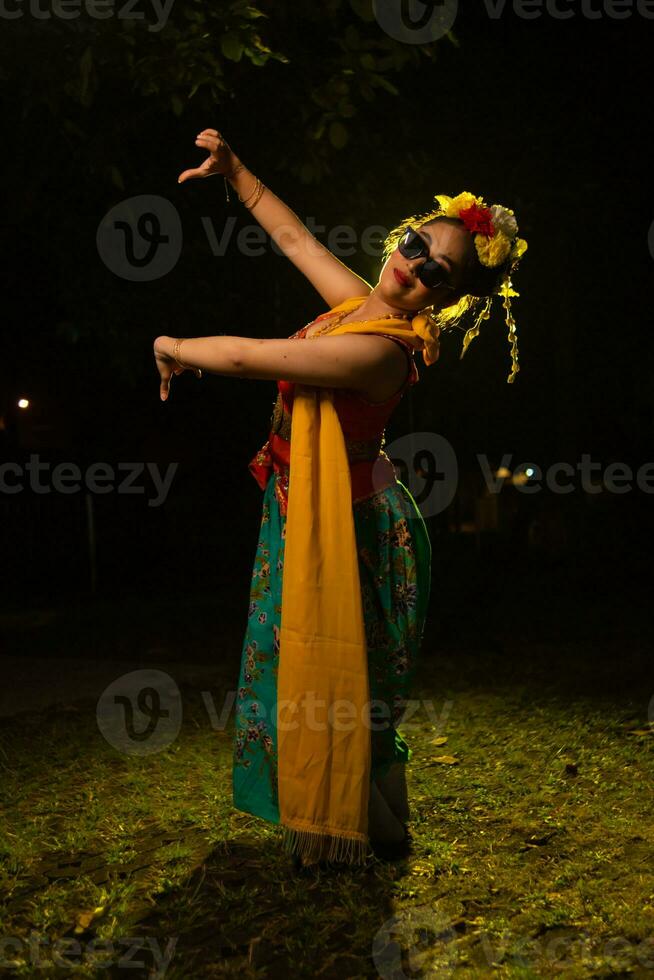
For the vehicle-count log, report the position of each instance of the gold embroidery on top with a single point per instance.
(277, 415)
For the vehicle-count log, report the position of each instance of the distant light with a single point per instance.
(529, 471)
(23, 403)
(503, 473)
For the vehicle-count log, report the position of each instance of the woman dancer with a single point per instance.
(342, 572)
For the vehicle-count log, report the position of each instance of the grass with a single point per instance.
(530, 786)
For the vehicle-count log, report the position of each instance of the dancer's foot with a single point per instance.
(394, 851)
(383, 826)
(392, 786)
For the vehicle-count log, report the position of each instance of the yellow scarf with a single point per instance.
(323, 719)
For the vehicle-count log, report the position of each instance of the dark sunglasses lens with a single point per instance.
(432, 274)
(411, 245)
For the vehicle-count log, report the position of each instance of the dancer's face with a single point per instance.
(450, 246)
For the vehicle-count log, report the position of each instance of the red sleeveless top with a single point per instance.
(363, 425)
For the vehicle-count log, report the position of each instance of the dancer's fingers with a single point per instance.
(209, 142)
(210, 132)
(187, 174)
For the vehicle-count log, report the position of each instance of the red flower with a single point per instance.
(478, 220)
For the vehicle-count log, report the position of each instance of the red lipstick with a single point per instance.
(401, 278)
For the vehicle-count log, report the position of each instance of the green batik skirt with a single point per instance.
(395, 574)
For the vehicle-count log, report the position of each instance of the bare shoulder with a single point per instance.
(392, 367)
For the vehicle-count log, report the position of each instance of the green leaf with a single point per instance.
(385, 84)
(338, 135)
(368, 62)
(231, 47)
(176, 105)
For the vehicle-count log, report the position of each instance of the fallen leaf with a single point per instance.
(422, 868)
(449, 760)
(84, 919)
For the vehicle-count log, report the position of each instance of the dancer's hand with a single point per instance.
(221, 159)
(167, 365)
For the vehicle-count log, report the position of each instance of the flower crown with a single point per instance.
(495, 234)
(494, 229)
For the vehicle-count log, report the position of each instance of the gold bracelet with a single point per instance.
(178, 343)
(261, 189)
(244, 200)
(227, 177)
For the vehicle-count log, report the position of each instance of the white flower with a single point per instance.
(504, 221)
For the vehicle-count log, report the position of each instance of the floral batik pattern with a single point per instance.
(395, 574)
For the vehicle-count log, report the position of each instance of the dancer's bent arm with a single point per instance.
(332, 279)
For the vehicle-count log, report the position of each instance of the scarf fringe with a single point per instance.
(313, 844)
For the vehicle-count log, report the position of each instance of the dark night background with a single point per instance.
(549, 117)
(121, 624)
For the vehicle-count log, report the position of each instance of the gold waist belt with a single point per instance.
(358, 450)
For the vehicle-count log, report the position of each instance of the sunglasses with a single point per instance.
(431, 273)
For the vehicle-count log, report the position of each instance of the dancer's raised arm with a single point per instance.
(333, 280)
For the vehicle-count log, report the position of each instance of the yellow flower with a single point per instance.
(492, 251)
(519, 248)
(461, 202)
